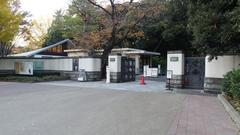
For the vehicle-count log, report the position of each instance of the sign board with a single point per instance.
(174, 59)
(150, 72)
(169, 74)
(112, 59)
(154, 72)
(24, 68)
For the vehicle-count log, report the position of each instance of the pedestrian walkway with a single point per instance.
(202, 115)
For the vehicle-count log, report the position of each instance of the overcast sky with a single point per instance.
(46, 8)
(43, 8)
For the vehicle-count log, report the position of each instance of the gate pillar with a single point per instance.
(122, 69)
(175, 64)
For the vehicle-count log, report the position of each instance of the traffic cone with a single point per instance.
(142, 82)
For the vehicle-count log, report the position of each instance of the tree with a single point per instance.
(56, 30)
(11, 20)
(215, 26)
(116, 23)
(35, 34)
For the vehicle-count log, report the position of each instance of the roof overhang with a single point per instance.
(35, 52)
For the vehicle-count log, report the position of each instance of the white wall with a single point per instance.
(176, 66)
(90, 64)
(58, 64)
(219, 67)
(49, 64)
(115, 66)
(7, 64)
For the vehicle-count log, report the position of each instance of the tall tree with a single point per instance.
(56, 31)
(215, 26)
(116, 23)
(11, 19)
(36, 33)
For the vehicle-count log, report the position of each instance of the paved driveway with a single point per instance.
(42, 109)
(153, 86)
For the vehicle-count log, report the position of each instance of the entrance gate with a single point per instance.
(127, 69)
(194, 72)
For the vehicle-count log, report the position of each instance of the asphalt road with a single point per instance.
(35, 109)
(53, 109)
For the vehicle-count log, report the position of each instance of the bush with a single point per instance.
(231, 84)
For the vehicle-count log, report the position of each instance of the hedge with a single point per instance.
(231, 84)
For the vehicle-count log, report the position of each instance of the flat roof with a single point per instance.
(120, 50)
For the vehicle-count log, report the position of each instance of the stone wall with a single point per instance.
(212, 85)
(91, 76)
(115, 77)
(177, 81)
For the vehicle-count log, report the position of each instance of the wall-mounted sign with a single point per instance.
(174, 59)
(169, 74)
(24, 68)
(112, 59)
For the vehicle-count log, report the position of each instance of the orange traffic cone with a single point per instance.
(142, 82)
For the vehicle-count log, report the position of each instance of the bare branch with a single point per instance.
(99, 6)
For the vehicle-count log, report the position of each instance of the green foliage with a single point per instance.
(12, 23)
(231, 84)
(197, 27)
(9, 20)
(215, 26)
(56, 31)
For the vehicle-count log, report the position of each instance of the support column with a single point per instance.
(175, 63)
(137, 64)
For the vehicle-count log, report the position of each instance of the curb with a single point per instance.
(229, 108)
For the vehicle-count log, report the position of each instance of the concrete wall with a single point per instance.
(90, 64)
(48, 64)
(175, 63)
(216, 69)
(219, 67)
(176, 66)
(114, 63)
(58, 64)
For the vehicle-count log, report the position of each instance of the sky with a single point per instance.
(47, 8)
(43, 8)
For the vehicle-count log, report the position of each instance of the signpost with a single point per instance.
(169, 77)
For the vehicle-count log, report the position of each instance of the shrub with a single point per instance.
(231, 84)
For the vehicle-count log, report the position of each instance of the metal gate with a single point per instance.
(127, 69)
(194, 72)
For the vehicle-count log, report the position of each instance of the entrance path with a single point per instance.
(48, 109)
(150, 86)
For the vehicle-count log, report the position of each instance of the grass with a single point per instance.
(32, 79)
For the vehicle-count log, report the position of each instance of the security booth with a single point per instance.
(122, 69)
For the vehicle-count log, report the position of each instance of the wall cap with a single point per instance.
(175, 52)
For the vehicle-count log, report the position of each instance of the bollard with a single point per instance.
(142, 81)
(108, 77)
